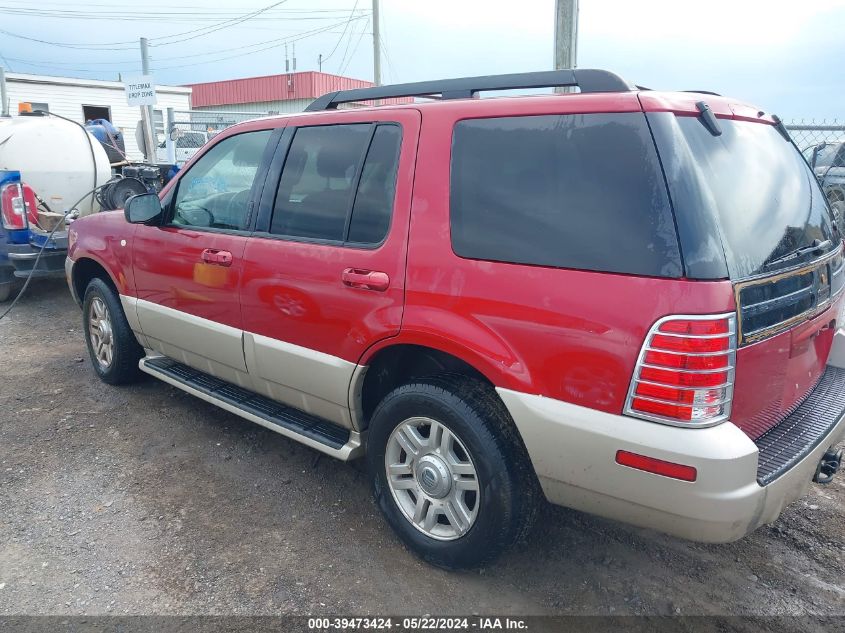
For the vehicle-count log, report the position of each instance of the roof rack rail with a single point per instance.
(588, 80)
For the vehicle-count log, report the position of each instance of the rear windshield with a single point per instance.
(572, 191)
(765, 199)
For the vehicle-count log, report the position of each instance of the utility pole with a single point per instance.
(320, 62)
(566, 37)
(376, 46)
(147, 111)
(4, 97)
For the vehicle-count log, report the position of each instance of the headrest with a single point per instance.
(335, 162)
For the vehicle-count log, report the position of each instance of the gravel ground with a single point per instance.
(144, 500)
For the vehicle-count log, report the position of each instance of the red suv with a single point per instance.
(623, 300)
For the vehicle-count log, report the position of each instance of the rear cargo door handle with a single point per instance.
(365, 279)
(218, 258)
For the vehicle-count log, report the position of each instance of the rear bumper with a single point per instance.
(21, 259)
(573, 450)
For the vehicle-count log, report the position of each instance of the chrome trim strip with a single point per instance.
(664, 384)
(699, 336)
(688, 371)
(723, 352)
(794, 269)
(772, 330)
(682, 404)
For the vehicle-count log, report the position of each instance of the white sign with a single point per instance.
(140, 91)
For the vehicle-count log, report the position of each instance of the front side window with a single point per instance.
(215, 192)
(338, 183)
(582, 191)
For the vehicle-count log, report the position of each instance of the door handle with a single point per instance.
(365, 279)
(218, 258)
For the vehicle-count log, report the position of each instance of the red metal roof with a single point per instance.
(304, 85)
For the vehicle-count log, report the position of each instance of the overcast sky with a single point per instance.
(785, 57)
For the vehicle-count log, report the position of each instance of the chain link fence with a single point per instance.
(810, 135)
(191, 129)
(823, 145)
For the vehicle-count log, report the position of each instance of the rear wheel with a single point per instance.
(112, 346)
(449, 471)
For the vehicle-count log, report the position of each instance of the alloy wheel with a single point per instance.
(432, 478)
(100, 330)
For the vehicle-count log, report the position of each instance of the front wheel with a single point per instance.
(449, 471)
(112, 346)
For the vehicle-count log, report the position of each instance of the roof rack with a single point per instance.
(588, 80)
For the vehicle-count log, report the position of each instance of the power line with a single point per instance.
(278, 43)
(346, 48)
(354, 50)
(207, 30)
(200, 8)
(274, 42)
(213, 29)
(6, 61)
(172, 16)
(345, 26)
(99, 47)
(394, 75)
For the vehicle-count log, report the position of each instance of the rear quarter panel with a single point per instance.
(566, 334)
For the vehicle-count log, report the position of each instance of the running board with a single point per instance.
(308, 429)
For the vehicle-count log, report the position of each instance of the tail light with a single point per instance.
(13, 206)
(685, 372)
(30, 203)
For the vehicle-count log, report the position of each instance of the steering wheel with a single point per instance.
(196, 212)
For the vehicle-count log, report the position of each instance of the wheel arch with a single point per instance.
(398, 360)
(84, 270)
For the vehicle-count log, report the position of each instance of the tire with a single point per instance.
(119, 364)
(485, 440)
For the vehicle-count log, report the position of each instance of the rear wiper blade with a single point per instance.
(816, 248)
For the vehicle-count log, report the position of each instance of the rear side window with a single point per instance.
(338, 183)
(579, 191)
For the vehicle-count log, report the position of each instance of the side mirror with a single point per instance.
(144, 208)
(175, 133)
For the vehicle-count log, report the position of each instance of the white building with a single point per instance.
(85, 99)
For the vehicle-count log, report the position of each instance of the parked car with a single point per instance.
(187, 144)
(828, 162)
(593, 298)
(21, 239)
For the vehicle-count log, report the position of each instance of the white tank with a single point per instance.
(54, 158)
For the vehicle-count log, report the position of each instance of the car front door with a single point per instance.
(187, 270)
(324, 273)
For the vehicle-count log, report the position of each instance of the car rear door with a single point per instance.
(324, 273)
(187, 270)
